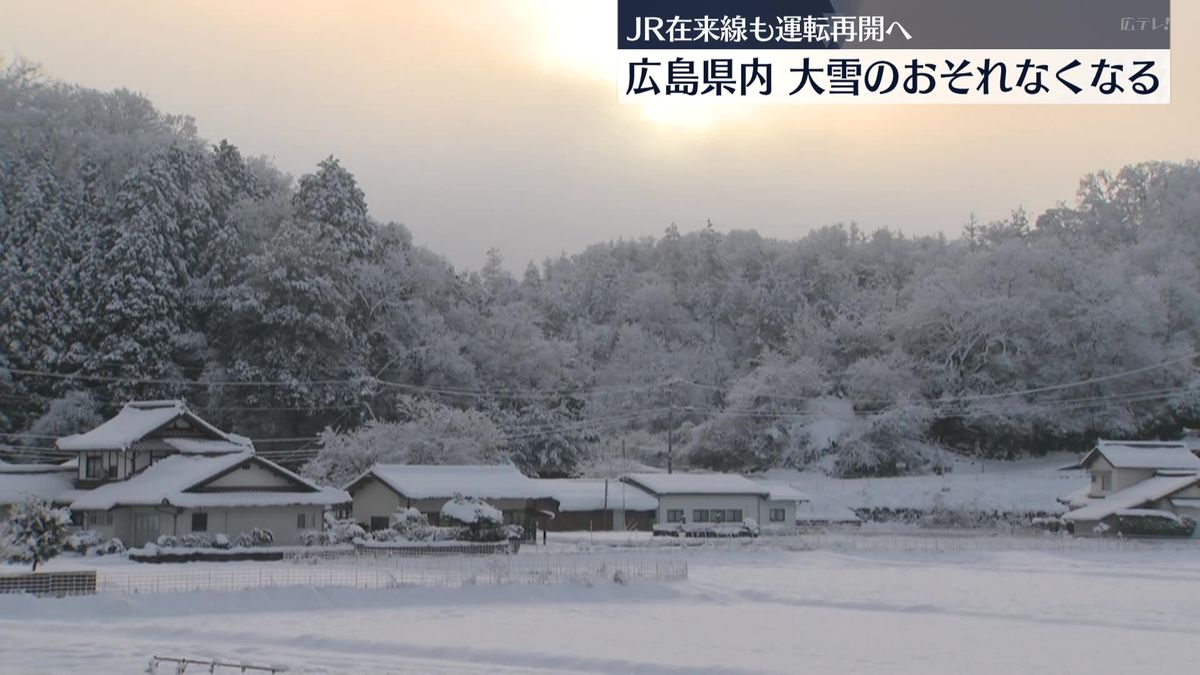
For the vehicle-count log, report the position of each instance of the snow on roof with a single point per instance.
(1187, 502)
(490, 481)
(135, 421)
(1134, 496)
(36, 468)
(584, 494)
(696, 484)
(168, 480)
(782, 492)
(204, 446)
(1077, 498)
(1156, 513)
(1144, 455)
(16, 486)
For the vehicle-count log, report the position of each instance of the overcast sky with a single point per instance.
(496, 122)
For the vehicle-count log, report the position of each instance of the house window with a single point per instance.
(674, 515)
(777, 515)
(379, 523)
(699, 515)
(717, 515)
(1104, 478)
(199, 522)
(733, 515)
(300, 524)
(95, 466)
(94, 519)
(112, 470)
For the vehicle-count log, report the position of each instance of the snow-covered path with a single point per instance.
(752, 611)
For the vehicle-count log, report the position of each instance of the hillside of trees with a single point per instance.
(140, 261)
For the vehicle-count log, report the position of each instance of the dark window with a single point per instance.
(112, 470)
(379, 522)
(734, 515)
(674, 515)
(777, 515)
(300, 521)
(700, 515)
(717, 515)
(199, 522)
(95, 466)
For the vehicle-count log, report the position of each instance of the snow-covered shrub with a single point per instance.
(1148, 523)
(336, 531)
(221, 540)
(411, 524)
(34, 532)
(113, 546)
(256, 537)
(88, 542)
(481, 521)
(167, 541)
(1048, 524)
(471, 511)
(82, 541)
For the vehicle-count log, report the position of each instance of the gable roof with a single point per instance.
(696, 484)
(485, 481)
(583, 494)
(1143, 455)
(176, 481)
(139, 419)
(1152, 489)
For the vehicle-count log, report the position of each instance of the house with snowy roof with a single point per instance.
(715, 498)
(385, 488)
(158, 468)
(1134, 478)
(599, 504)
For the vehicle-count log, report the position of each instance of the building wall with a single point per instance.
(372, 498)
(600, 520)
(282, 521)
(752, 506)
(789, 513)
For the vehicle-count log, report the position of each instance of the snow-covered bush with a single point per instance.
(256, 537)
(34, 532)
(88, 542)
(411, 524)
(481, 521)
(1149, 523)
(336, 531)
(221, 540)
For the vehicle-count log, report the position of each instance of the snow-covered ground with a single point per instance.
(1030, 485)
(741, 611)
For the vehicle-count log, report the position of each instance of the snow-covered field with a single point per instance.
(741, 611)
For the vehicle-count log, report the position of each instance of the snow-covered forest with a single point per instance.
(138, 260)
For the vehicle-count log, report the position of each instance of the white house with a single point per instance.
(694, 498)
(1134, 476)
(157, 468)
(385, 488)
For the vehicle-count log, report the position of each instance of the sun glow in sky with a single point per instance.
(496, 123)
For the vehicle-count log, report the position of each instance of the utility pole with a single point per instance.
(671, 430)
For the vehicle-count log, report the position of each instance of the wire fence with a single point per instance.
(370, 572)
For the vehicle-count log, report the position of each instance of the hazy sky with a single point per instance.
(496, 122)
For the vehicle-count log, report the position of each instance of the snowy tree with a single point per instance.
(74, 413)
(34, 532)
(433, 434)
